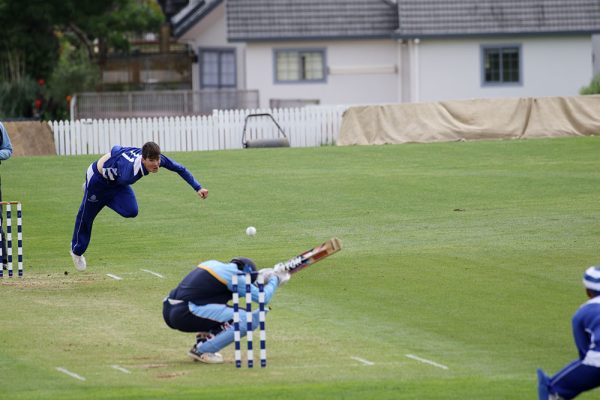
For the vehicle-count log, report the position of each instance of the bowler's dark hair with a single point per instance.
(150, 150)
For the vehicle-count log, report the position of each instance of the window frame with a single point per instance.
(202, 51)
(323, 53)
(500, 48)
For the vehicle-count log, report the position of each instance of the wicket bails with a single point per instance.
(249, 319)
(9, 242)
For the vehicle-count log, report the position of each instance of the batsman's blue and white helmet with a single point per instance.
(246, 265)
(591, 279)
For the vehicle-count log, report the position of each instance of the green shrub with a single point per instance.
(593, 88)
(73, 73)
(17, 97)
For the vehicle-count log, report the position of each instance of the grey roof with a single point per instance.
(251, 20)
(188, 16)
(423, 18)
(260, 20)
(172, 7)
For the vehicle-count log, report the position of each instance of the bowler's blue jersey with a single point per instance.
(586, 329)
(124, 167)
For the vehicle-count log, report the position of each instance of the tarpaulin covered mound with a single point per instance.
(30, 138)
(508, 118)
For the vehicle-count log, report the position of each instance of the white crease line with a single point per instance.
(153, 273)
(71, 374)
(362, 360)
(119, 368)
(384, 364)
(425, 361)
(117, 278)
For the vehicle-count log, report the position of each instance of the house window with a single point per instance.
(217, 68)
(299, 66)
(501, 65)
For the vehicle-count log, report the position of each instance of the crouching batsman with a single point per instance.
(584, 373)
(199, 304)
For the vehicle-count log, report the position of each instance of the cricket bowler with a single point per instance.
(582, 374)
(108, 183)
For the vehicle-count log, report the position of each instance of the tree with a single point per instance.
(33, 30)
(75, 72)
(104, 25)
(28, 46)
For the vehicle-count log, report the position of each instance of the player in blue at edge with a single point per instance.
(108, 183)
(199, 304)
(584, 373)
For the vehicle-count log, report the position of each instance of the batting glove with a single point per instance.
(283, 277)
(266, 273)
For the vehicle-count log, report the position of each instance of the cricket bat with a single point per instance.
(310, 257)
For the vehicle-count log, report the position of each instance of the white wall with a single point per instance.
(451, 69)
(212, 32)
(358, 72)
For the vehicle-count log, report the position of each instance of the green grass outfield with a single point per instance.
(468, 255)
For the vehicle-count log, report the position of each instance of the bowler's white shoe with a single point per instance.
(207, 358)
(79, 262)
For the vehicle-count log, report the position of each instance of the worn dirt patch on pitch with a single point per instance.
(150, 366)
(48, 281)
(171, 375)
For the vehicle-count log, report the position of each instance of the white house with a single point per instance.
(390, 51)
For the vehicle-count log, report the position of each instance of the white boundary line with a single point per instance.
(119, 368)
(71, 374)
(425, 361)
(363, 361)
(153, 273)
(117, 278)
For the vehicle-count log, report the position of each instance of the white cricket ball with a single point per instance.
(250, 231)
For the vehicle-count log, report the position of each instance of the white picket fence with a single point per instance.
(304, 127)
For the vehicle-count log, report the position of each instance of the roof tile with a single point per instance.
(450, 17)
(297, 19)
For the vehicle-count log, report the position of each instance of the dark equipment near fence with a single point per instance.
(275, 142)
